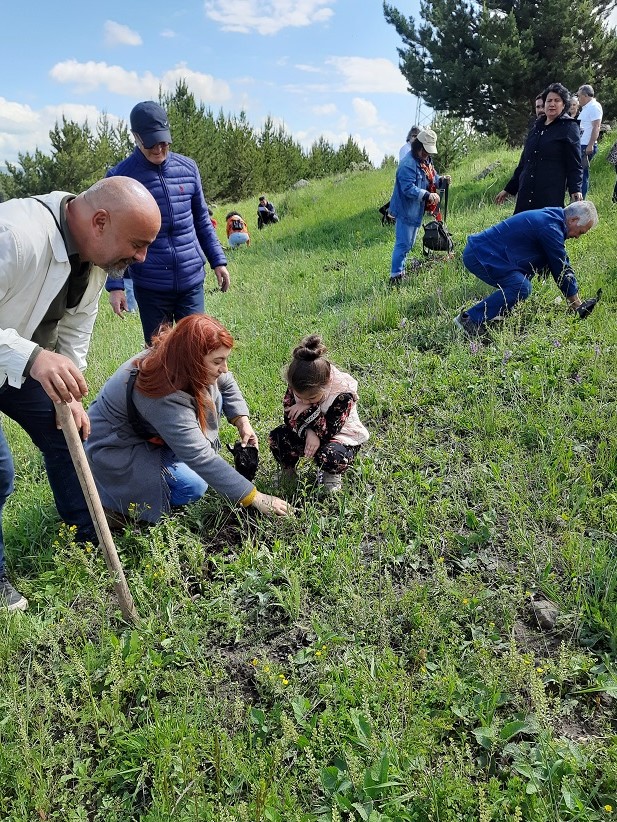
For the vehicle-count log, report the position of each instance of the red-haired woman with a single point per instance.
(154, 441)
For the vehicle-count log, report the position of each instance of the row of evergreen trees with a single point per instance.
(235, 160)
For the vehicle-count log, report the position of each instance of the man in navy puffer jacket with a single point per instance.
(170, 284)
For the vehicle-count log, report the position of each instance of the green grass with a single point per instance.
(377, 657)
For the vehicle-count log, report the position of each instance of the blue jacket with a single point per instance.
(176, 259)
(410, 193)
(530, 242)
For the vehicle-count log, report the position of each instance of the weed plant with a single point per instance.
(378, 657)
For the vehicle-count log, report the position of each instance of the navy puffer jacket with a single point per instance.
(175, 260)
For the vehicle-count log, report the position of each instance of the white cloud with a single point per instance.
(267, 16)
(205, 87)
(85, 78)
(16, 118)
(326, 109)
(118, 35)
(309, 69)
(374, 149)
(364, 75)
(169, 33)
(23, 129)
(366, 112)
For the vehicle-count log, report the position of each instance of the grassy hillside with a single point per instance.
(437, 643)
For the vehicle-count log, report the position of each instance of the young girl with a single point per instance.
(237, 230)
(321, 418)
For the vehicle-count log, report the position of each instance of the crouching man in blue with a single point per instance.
(508, 254)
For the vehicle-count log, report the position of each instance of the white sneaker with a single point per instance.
(10, 598)
(332, 483)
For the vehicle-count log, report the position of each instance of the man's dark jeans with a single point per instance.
(156, 307)
(31, 408)
(585, 187)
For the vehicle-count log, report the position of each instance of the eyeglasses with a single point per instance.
(156, 147)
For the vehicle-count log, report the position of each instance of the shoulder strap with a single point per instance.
(445, 202)
(137, 422)
(52, 214)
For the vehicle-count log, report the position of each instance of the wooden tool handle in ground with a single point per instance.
(86, 480)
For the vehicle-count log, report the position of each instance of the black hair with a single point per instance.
(309, 368)
(234, 213)
(562, 91)
(416, 147)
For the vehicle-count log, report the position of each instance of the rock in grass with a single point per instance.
(545, 612)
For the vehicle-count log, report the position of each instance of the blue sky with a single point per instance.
(319, 67)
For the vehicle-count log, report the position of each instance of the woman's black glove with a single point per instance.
(586, 307)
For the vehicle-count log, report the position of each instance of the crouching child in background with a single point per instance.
(321, 416)
(237, 230)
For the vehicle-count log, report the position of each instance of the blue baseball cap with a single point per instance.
(149, 120)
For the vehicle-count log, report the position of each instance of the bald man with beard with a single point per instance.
(55, 252)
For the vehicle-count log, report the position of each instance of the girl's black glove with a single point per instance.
(586, 307)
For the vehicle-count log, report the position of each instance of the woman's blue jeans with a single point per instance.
(512, 287)
(129, 292)
(184, 484)
(405, 237)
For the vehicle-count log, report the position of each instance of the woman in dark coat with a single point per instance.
(551, 158)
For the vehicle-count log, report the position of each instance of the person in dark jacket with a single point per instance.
(551, 158)
(266, 212)
(509, 254)
(170, 284)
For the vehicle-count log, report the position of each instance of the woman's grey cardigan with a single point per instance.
(128, 470)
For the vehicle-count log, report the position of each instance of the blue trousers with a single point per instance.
(405, 237)
(512, 287)
(157, 307)
(33, 410)
(585, 187)
(238, 238)
(130, 294)
(184, 484)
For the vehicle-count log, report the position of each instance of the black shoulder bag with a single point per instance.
(436, 235)
(136, 421)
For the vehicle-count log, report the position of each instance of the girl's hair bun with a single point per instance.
(310, 348)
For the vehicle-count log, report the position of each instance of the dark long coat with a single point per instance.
(550, 162)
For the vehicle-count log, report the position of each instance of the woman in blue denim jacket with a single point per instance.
(415, 191)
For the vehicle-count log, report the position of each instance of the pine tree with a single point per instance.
(487, 61)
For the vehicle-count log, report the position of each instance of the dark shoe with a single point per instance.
(465, 324)
(397, 280)
(10, 598)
